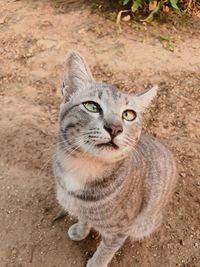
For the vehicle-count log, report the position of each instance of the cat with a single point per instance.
(109, 174)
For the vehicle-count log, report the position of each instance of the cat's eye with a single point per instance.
(92, 106)
(129, 115)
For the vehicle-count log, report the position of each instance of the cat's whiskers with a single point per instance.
(77, 145)
(131, 143)
(50, 159)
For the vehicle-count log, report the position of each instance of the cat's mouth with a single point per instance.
(109, 145)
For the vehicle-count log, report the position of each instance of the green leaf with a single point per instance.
(173, 4)
(125, 2)
(153, 12)
(167, 38)
(136, 5)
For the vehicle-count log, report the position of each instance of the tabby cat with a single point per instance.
(109, 174)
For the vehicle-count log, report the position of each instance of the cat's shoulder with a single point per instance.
(152, 145)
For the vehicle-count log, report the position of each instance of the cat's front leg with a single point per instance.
(106, 250)
(79, 231)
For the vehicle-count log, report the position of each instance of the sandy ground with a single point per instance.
(35, 36)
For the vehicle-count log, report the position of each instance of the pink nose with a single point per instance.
(113, 130)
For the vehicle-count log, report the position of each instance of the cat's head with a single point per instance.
(97, 119)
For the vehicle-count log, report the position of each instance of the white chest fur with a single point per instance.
(76, 172)
(74, 175)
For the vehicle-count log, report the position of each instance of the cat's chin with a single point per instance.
(109, 154)
(108, 146)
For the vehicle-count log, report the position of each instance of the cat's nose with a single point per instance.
(113, 130)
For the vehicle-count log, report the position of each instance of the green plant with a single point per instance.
(168, 42)
(153, 6)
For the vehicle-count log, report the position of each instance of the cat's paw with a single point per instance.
(78, 231)
(93, 263)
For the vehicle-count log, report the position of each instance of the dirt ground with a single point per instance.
(34, 37)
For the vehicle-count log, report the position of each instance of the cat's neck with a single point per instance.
(86, 169)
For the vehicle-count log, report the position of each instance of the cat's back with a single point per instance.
(159, 171)
(155, 153)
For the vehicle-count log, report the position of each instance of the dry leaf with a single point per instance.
(152, 5)
(126, 18)
(119, 15)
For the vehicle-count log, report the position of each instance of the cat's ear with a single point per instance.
(144, 98)
(77, 73)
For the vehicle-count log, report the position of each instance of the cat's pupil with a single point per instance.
(126, 114)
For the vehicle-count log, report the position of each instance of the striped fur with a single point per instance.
(121, 192)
